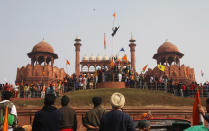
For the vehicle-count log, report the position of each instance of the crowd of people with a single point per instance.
(49, 118)
(89, 81)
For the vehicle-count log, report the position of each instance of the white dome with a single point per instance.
(92, 58)
(85, 58)
(105, 58)
(99, 58)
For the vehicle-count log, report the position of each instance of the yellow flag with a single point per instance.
(161, 67)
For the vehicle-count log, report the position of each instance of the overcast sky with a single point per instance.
(24, 23)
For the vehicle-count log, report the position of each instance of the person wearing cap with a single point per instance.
(116, 119)
(92, 118)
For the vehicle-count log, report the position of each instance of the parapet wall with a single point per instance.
(26, 116)
(111, 85)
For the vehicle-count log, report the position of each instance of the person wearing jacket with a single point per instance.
(116, 119)
(48, 118)
(69, 120)
(92, 118)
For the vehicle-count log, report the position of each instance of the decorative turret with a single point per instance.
(132, 46)
(77, 56)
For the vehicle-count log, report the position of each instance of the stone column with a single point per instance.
(77, 56)
(52, 62)
(132, 46)
(45, 57)
(36, 60)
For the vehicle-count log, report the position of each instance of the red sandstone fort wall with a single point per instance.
(39, 74)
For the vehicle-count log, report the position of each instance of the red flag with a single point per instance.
(104, 41)
(67, 62)
(5, 125)
(144, 68)
(196, 113)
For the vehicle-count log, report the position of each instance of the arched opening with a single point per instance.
(91, 69)
(85, 68)
(170, 60)
(48, 60)
(40, 60)
(98, 68)
(162, 61)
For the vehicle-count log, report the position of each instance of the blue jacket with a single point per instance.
(116, 120)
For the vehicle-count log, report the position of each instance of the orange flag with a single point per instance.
(67, 62)
(5, 125)
(114, 15)
(144, 68)
(195, 113)
(111, 63)
(125, 58)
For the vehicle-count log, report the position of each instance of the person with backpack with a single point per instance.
(12, 112)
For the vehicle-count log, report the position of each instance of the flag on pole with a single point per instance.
(122, 49)
(104, 41)
(161, 67)
(5, 125)
(196, 113)
(144, 68)
(67, 62)
(114, 15)
(202, 73)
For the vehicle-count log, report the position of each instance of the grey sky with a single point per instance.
(24, 23)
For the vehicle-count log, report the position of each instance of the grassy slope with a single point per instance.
(134, 97)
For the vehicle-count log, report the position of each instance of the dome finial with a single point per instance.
(132, 36)
(77, 39)
(132, 39)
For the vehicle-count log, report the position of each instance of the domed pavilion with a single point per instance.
(42, 69)
(169, 56)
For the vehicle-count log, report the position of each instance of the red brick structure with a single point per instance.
(41, 69)
(132, 46)
(26, 116)
(111, 85)
(169, 56)
(77, 56)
